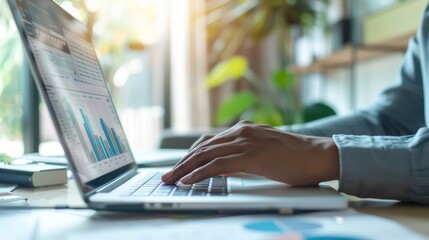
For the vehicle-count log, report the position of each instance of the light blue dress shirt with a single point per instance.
(384, 151)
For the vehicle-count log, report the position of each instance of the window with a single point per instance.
(10, 85)
(128, 37)
(134, 41)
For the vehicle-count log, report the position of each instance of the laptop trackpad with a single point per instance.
(252, 181)
(248, 183)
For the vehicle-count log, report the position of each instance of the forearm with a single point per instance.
(356, 124)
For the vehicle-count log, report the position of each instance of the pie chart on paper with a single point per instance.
(288, 225)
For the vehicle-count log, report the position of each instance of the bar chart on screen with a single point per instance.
(92, 130)
(102, 140)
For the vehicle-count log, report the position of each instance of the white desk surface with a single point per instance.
(412, 216)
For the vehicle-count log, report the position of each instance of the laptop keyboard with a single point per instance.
(153, 186)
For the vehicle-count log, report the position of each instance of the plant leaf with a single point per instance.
(234, 106)
(317, 111)
(264, 115)
(283, 79)
(229, 69)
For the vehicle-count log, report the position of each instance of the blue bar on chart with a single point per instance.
(103, 147)
(90, 154)
(109, 137)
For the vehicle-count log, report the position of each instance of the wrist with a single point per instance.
(327, 166)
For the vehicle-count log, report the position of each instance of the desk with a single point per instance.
(413, 216)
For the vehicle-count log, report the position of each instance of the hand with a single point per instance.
(203, 138)
(262, 150)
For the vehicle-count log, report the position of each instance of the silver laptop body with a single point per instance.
(67, 73)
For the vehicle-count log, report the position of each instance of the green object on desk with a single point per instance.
(5, 159)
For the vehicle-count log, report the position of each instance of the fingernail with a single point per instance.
(186, 179)
(167, 176)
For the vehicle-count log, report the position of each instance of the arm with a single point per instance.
(394, 166)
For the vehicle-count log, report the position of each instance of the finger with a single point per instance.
(213, 139)
(201, 157)
(197, 143)
(203, 138)
(220, 138)
(226, 164)
(225, 136)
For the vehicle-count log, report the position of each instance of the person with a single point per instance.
(381, 152)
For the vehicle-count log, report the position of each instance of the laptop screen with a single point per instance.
(68, 73)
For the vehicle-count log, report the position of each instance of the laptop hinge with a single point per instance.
(110, 186)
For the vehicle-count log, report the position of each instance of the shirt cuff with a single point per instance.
(374, 166)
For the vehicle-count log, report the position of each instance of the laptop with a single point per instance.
(67, 73)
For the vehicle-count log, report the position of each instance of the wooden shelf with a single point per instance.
(349, 54)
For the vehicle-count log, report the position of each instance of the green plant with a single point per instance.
(316, 111)
(236, 24)
(275, 103)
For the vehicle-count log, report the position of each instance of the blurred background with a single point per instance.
(194, 65)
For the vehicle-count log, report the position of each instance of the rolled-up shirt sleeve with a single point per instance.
(392, 167)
